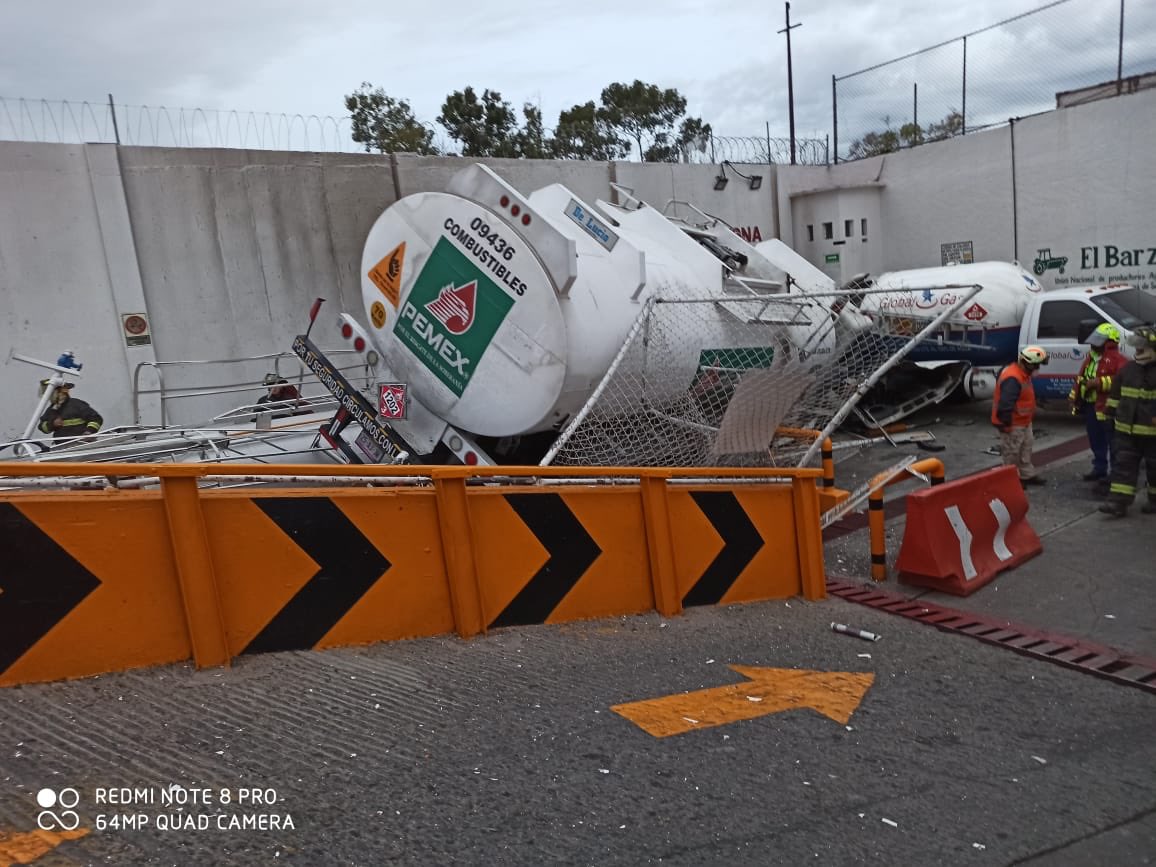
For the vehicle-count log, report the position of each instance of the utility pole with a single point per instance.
(790, 78)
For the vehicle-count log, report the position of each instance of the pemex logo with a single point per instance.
(454, 307)
(451, 316)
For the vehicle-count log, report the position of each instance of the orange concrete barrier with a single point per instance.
(959, 536)
(105, 580)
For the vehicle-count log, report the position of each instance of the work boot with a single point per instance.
(1149, 508)
(1101, 488)
(1116, 510)
(1034, 480)
(1094, 477)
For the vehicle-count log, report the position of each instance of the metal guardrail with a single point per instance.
(167, 394)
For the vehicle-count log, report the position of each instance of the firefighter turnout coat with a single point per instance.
(76, 419)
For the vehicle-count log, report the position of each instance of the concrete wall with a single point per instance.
(752, 212)
(64, 239)
(1084, 180)
(224, 250)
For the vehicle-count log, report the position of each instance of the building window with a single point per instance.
(849, 228)
(863, 227)
(828, 231)
(811, 232)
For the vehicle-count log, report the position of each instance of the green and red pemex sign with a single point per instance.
(451, 315)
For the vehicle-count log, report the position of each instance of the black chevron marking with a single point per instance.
(40, 583)
(741, 541)
(349, 566)
(571, 551)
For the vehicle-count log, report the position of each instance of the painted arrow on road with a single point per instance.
(349, 565)
(741, 542)
(26, 847)
(572, 550)
(40, 583)
(835, 694)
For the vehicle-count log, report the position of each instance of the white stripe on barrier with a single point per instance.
(1004, 518)
(964, 536)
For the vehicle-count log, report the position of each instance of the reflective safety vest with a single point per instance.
(1133, 400)
(1025, 402)
(1094, 381)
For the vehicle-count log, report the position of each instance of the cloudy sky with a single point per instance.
(300, 57)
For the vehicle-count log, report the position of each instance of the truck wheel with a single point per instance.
(1038, 268)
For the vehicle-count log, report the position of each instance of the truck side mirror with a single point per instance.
(1087, 326)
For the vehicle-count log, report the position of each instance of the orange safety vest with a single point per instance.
(1025, 406)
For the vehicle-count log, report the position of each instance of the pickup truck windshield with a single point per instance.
(1130, 307)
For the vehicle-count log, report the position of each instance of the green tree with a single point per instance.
(583, 134)
(382, 122)
(951, 125)
(693, 135)
(531, 140)
(644, 113)
(484, 127)
(909, 135)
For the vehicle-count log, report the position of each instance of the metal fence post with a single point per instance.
(835, 117)
(963, 111)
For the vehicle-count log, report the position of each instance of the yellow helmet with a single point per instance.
(1035, 355)
(1109, 331)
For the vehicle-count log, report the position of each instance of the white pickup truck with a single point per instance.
(1060, 321)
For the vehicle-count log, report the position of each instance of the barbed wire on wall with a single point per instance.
(1011, 69)
(761, 150)
(66, 122)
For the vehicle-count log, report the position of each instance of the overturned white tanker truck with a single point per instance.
(523, 329)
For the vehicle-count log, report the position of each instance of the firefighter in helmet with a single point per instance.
(1012, 409)
(67, 416)
(1089, 398)
(1132, 410)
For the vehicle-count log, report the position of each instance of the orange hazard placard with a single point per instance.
(386, 274)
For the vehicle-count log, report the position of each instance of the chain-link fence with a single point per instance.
(62, 121)
(1014, 68)
(726, 381)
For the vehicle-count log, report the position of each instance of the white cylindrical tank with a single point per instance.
(503, 313)
(918, 292)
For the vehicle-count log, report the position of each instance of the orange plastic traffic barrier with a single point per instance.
(933, 467)
(959, 536)
(105, 580)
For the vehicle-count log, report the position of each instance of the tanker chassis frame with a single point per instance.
(378, 439)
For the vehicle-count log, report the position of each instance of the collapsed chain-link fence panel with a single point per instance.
(719, 382)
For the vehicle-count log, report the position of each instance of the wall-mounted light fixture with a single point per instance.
(720, 182)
